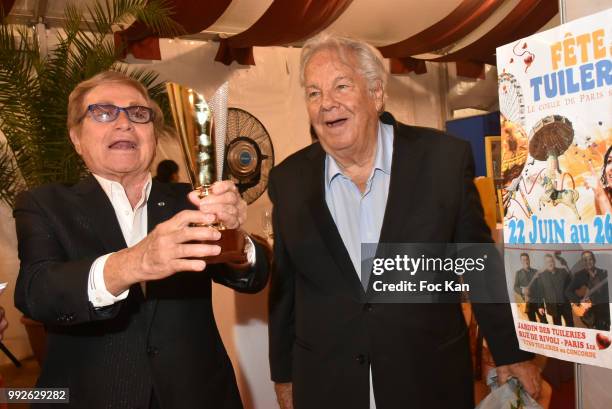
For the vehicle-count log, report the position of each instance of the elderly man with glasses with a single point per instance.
(113, 267)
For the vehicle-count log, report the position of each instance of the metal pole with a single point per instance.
(578, 385)
(562, 12)
(40, 30)
(444, 88)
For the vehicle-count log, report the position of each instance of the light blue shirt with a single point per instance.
(359, 216)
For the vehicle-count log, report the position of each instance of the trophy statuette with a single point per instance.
(201, 128)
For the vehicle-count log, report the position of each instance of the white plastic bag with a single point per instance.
(510, 395)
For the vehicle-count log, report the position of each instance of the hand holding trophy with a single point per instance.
(201, 127)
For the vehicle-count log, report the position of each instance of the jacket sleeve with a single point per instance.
(251, 281)
(51, 288)
(535, 292)
(281, 326)
(517, 283)
(495, 318)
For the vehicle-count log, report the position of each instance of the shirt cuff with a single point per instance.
(250, 251)
(96, 287)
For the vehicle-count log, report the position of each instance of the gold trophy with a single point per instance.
(201, 128)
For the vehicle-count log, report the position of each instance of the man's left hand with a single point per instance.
(526, 372)
(224, 202)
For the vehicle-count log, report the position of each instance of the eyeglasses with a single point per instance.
(109, 113)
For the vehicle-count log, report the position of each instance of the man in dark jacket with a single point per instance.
(113, 267)
(371, 180)
(522, 281)
(549, 289)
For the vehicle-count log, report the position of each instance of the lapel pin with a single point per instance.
(160, 204)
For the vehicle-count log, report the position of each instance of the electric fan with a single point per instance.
(249, 154)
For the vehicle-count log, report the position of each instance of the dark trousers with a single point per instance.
(561, 310)
(532, 313)
(600, 317)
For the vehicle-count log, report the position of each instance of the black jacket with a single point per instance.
(112, 357)
(549, 288)
(325, 331)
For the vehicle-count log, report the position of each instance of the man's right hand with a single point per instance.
(284, 395)
(163, 252)
(542, 311)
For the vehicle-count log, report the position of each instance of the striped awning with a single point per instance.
(408, 32)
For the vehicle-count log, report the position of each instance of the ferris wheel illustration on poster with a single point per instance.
(511, 101)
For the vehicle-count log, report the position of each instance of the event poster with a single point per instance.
(555, 94)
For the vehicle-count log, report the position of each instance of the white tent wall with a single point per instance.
(15, 337)
(473, 93)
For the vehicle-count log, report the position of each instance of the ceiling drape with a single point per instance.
(290, 22)
(284, 22)
(193, 15)
(7, 5)
(461, 21)
(525, 18)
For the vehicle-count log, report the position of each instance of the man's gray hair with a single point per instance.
(369, 60)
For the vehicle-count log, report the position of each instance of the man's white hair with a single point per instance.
(369, 60)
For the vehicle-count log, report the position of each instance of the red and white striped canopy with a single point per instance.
(409, 32)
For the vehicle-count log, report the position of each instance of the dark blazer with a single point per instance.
(324, 330)
(115, 356)
(549, 288)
